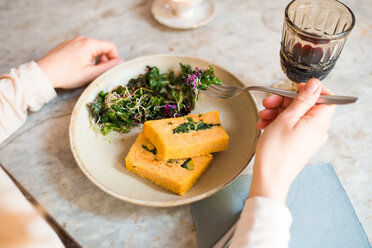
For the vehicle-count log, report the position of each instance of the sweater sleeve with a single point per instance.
(263, 223)
(22, 89)
(21, 225)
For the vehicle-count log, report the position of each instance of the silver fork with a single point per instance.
(228, 92)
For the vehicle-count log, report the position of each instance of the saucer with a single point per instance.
(203, 14)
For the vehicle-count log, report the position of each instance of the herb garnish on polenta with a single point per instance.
(193, 126)
(188, 164)
(153, 151)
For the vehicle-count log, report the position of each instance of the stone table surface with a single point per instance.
(244, 37)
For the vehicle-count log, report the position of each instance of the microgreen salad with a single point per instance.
(150, 96)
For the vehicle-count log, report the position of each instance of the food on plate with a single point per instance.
(176, 175)
(188, 136)
(150, 96)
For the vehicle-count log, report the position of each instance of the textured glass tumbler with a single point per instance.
(314, 34)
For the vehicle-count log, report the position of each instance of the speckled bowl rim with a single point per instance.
(105, 188)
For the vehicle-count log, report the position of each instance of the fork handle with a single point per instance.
(326, 99)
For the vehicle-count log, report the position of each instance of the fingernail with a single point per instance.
(311, 86)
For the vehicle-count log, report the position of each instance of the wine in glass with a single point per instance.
(314, 34)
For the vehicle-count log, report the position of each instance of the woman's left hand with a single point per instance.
(72, 63)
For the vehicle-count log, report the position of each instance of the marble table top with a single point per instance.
(244, 38)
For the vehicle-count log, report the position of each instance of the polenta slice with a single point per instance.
(176, 175)
(188, 136)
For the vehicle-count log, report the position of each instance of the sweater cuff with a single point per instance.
(263, 223)
(37, 88)
(270, 209)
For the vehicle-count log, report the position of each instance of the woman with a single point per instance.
(294, 130)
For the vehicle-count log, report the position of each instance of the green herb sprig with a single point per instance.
(192, 125)
(153, 151)
(188, 164)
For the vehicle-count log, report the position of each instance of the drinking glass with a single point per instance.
(314, 33)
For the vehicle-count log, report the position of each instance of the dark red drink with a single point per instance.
(305, 62)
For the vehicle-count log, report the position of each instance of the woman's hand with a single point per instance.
(294, 131)
(72, 63)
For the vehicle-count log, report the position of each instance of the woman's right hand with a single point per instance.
(294, 131)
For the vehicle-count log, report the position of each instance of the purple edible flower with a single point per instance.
(134, 116)
(167, 109)
(193, 78)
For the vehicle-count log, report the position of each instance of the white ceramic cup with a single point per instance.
(182, 8)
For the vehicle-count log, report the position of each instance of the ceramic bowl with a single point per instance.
(102, 158)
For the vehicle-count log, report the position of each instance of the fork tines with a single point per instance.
(221, 91)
